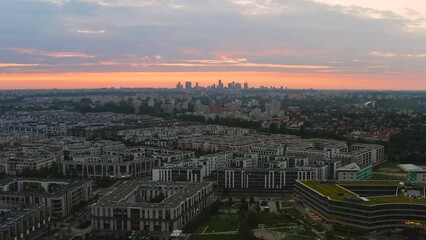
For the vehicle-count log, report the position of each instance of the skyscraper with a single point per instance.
(220, 84)
(179, 86)
(188, 85)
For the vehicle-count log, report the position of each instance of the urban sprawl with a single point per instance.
(194, 162)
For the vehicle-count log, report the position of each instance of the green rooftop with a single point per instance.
(337, 191)
(370, 183)
(393, 199)
(331, 190)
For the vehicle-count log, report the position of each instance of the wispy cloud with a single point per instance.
(12, 65)
(222, 60)
(237, 62)
(270, 52)
(382, 54)
(31, 51)
(393, 55)
(86, 31)
(260, 7)
(415, 55)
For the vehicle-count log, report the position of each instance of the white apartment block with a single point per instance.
(362, 154)
(245, 162)
(309, 153)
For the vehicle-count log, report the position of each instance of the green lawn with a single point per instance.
(293, 212)
(273, 219)
(222, 223)
(297, 232)
(285, 204)
(387, 176)
(349, 235)
(388, 166)
(215, 237)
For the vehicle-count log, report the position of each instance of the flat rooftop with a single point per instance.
(411, 168)
(337, 191)
(124, 194)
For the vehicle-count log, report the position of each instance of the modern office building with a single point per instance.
(354, 171)
(368, 205)
(151, 206)
(415, 174)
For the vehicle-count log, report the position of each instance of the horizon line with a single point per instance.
(169, 80)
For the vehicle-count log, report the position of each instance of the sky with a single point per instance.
(324, 44)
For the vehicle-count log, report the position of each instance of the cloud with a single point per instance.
(260, 7)
(393, 55)
(222, 60)
(236, 62)
(10, 65)
(270, 52)
(85, 31)
(382, 54)
(415, 55)
(31, 51)
(249, 35)
(411, 13)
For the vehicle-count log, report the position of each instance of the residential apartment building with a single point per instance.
(14, 160)
(133, 207)
(178, 174)
(22, 222)
(61, 196)
(262, 181)
(94, 167)
(362, 154)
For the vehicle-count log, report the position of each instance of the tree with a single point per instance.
(244, 205)
(67, 155)
(157, 199)
(230, 201)
(244, 230)
(252, 219)
(86, 101)
(329, 235)
(104, 182)
(411, 233)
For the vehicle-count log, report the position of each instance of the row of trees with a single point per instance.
(51, 172)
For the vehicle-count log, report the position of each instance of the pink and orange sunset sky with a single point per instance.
(322, 44)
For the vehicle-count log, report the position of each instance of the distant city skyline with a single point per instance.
(169, 80)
